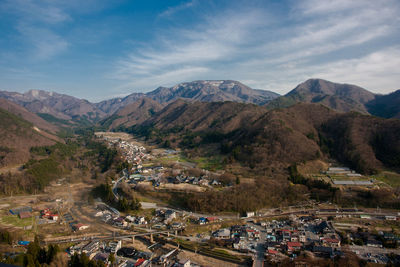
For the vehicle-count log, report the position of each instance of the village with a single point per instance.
(161, 235)
(321, 231)
(144, 171)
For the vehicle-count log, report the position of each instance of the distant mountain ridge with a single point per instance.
(340, 97)
(58, 105)
(212, 91)
(73, 109)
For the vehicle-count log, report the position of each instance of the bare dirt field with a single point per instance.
(183, 187)
(11, 169)
(204, 260)
(119, 135)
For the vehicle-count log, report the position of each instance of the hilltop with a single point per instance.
(261, 138)
(65, 110)
(19, 135)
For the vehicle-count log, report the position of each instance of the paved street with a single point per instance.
(259, 257)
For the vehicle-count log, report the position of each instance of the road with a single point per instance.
(258, 259)
(115, 187)
(100, 238)
(377, 255)
(372, 250)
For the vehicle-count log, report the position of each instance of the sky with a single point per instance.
(98, 49)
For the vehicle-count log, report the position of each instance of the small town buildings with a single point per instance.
(79, 227)
(24, 215)
(212, 219)
(90, 247)
(390, 218)
(331, 242)
(17, 211)
(202, 220)
(222, 234)
(250, 214)
(114, 246)
(184, 263)
(374, 243)
(293, 246)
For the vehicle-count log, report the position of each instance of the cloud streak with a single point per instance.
(183, 50)
(35, 21)
(175, 9)
(269, 51)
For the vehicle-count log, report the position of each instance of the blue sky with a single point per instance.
(103, 49)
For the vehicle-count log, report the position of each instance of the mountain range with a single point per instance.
(341, 97)
(318, 118)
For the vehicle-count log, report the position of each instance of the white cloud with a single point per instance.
(378, 71)
(35, 22)
(36, 11)
(181, 50)
(172, 10)
(167, 78)
(45, 43)
(317, 38)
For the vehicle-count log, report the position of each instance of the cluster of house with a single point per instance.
(181, 179)
(304, 233)
(136, 154)
(48, 214)
(132, 153)
(158, 178)
(163, 217)
(74, 224)
(127, 256)
(113, 217)
(237, 233)
(241, 236)
(101, 251)
(205, 220)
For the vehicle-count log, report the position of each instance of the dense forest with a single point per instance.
(80, 156)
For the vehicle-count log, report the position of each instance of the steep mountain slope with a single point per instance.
(72, 109)
(341, 97)
(223, 117)
(212, 91)
(386, 106)
(110, 106)
(277, 138)
(18, 136)
(134, 113)
(28, 116)
(308, 131)
(58, 105)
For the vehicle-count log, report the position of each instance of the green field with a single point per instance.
(208, 163)
(16, 221)
(391, 178)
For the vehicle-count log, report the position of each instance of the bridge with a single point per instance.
(173, 232)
